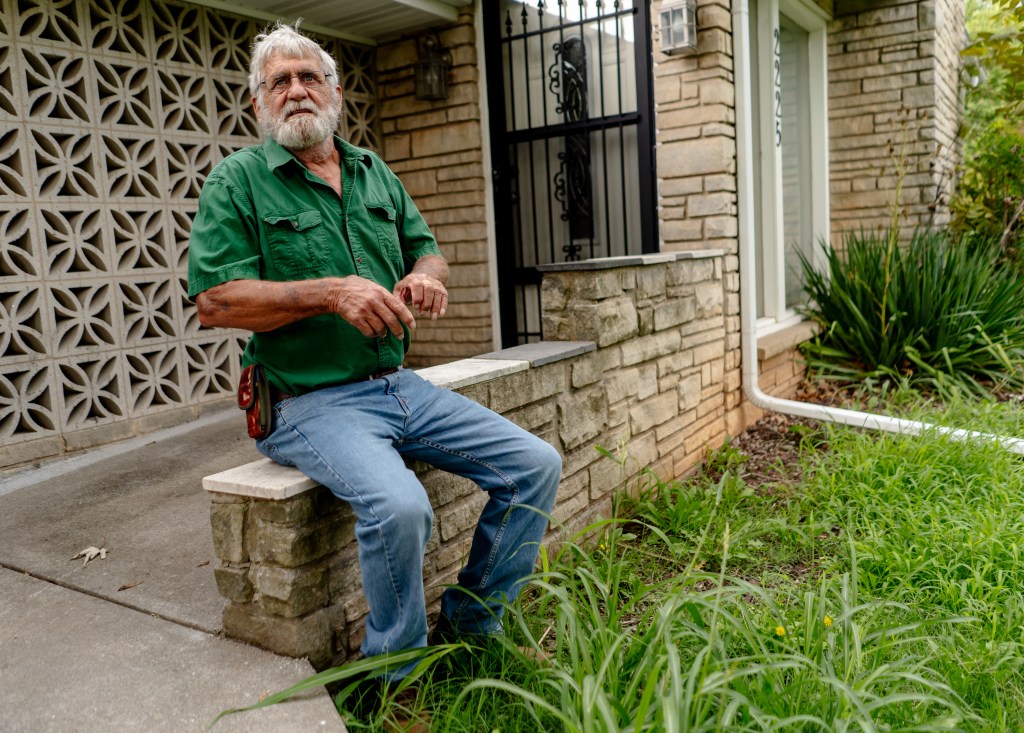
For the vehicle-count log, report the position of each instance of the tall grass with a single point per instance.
(939, 312)
(882, 592)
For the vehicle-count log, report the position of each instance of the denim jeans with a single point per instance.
(352, 439)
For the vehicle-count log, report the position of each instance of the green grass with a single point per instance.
(882, 591)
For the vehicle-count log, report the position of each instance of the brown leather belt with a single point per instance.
(277, 395)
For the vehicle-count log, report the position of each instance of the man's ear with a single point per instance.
(256, 108)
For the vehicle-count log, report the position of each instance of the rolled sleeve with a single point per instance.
(224, 242)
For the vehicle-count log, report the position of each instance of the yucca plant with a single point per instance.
(939, 313)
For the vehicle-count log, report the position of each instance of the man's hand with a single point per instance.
(370, 307)
(424, 292)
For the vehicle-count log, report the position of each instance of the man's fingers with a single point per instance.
(394, 313)
(426, 295)
(434, 302)
(372, 309)
(439, 304)
(371, 327)
(399, 309)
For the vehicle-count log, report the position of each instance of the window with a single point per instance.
(790, 148)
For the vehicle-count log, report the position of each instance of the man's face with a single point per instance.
(298, 117)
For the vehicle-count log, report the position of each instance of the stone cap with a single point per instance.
(467, 372)
(608, 263)
(262, 479)
(265, 479)
(542, 352)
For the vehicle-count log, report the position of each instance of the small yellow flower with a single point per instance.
(601, 546)
(780, 630)
(828, 620)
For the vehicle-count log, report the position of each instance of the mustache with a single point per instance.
(299, 106)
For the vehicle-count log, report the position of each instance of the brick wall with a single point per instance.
(695, 117)
(950, 31)
(436, 148)
(893, 105)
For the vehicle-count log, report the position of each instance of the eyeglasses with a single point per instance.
(283, 82)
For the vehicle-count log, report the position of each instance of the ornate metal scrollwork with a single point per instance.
(573, 186)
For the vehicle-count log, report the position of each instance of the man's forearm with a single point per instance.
(260, 305)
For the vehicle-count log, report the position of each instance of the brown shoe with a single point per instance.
(534, 654)
(405, 714)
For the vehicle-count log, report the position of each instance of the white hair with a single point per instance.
(286, 41)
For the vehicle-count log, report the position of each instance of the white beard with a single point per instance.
(302, 132)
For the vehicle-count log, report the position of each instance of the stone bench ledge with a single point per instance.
(467, 372)
(265, 479)
(608, 263)
(541, 353)
(262, 479)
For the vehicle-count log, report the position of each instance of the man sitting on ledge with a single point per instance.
(315, 246)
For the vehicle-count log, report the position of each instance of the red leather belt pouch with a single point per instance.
(254, 398)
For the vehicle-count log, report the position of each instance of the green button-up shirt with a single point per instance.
(264, 216)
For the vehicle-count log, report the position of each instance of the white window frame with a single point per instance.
(769, 229)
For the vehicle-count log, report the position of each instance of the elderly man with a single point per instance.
(314, 246)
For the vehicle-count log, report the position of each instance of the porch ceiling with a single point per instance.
(365, 21)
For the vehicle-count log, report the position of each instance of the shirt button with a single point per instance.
(359, 260)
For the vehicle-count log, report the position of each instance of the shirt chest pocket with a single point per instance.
(385, 223)
(297, 241)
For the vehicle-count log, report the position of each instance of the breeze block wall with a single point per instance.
(111, 117)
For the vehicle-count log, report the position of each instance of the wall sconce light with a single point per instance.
(678, 26)
(432, 68)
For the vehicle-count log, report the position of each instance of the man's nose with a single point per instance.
(296, 90)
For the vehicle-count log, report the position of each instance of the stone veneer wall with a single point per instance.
(645, 380)
(695, 117)
(436, 148)
(893, 94)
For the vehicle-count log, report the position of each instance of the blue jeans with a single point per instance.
(352, 439)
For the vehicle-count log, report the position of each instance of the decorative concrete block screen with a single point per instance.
(111, 116)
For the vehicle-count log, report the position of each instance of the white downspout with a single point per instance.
(748, 281)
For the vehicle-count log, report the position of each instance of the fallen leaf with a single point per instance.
(126, 586)
(91, 553)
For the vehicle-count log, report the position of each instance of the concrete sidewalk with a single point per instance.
(131, 642)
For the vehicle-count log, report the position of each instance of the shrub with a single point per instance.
(990, 196)
(991, 189)
(934, 311)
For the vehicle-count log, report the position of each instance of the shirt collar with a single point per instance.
(277, 155)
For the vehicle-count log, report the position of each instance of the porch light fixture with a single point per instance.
(432, 68)
(678, 26)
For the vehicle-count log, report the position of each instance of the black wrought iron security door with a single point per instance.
(569, 93)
